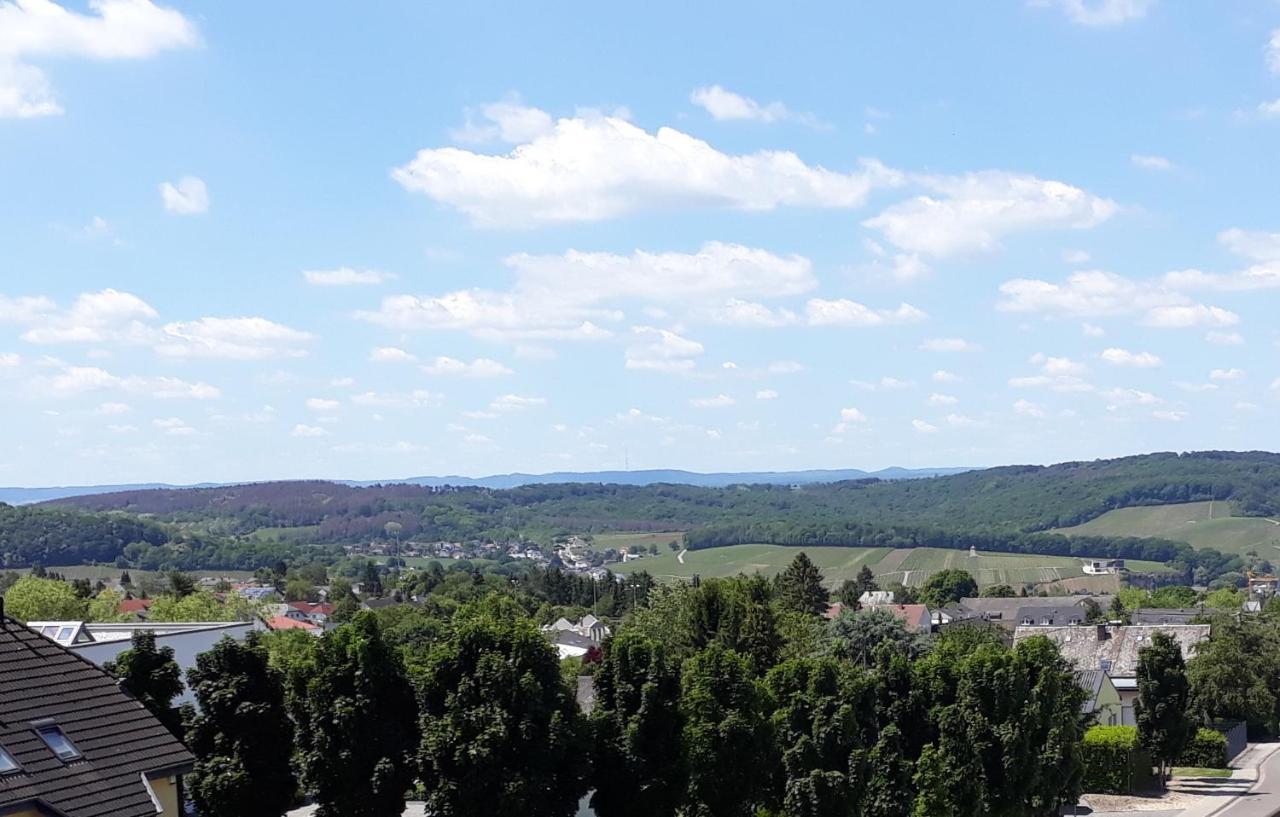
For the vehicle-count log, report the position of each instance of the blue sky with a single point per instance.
(270, 240)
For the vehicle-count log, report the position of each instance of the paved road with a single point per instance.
(1263, 799)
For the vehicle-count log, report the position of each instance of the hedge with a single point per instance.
(1114, 762)
(1207, 750)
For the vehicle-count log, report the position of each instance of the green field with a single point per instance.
(604, 541)
(1200, 524)
(911, 567)
(111, 573)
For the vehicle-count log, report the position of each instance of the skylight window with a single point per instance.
(7, 764)
(58, 741)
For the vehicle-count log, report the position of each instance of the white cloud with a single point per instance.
(322, 404)
(737, 312)
(1101, 12)
(1148, 162)
(1029, 409)
(725, 105)
(1260, 248)
(660, 350)
(174, 426)
(1058, 366)
(844, 312)
(849, 417)
(1119, 397)
(1224, 338)
(948, 345)
(116, 30)
(944, 376)
(516, 402)
(766, 394)
(1170, 415)
(591, 167)
(719, 401)
(507, 120)
(346, 277)
(478, 368)
(74, 380)
(186, 198)
(1269, 110)
(1226, 374)
(959, 421)
(1273, 52)
(937, 399)
(1092, 331)
(94, 317)
(883, 384)
(304, 430)
(1123, 357)
(418, 397)
(976, 210)
(26, 309)
(1094, 293)
(110, 409)
(391, 354)
(231, 339)
(785, 367)
(923, 427)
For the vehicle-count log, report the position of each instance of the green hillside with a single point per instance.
(907, 566)
(1201, 524)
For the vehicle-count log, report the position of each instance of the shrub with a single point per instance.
(1113, 760)
(1207, 750)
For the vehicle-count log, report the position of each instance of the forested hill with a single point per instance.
(1010, 499)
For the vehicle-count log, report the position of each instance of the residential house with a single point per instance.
(1104, 567)
(1005, 611)
(915, 617)
(279, 623)
(1102, 699)
(1262, 585)
(1114, 649)
(876, 597)
(72, 743)
(1044, 615)
(575, 638)
(1171, 615)
(317, 613)
(136, 607)
(101, 643)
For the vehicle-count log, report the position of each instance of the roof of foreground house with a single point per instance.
(1114, 649)
(119, 742)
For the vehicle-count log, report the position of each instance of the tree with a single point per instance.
(1224, 598)
(372, 580)
(152, 676)
(199, 606)
(501, 732)
(727, 738)
(855, 635)
(35, 599)
(948, 587)
(1163, 693)
(998, 591)
(1235, 675)
(638, 769)
(356, 723)
(181, 584)
(242, 736)
(1174, 595)
(105, 607)
(800, 587)
(296, 588)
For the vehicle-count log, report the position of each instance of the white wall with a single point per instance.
(186, 646)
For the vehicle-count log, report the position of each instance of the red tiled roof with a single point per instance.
(135, 605)
(320, 608)
(286, 623)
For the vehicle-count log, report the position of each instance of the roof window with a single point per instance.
(58, 741)
(7, 764)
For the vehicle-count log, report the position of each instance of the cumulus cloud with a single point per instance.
(971, 213)
(923, 427)
(592, 167)
(391, 354)
(660, 350)
(346, 277)
(844, 312)
(114, 30)
(766, 394)
(75, 380)
(849, 417)
(187, 197)
(944, 376)
(94, 317)
(322, 404)
(1095, 293)
(718, 401)
(507, 120)
(173, 426)
(415, 398)
(1123, 357)
(1226, 374)
(516, 402)
(1029, 409)
(1260, 248)
(725, 105)
(949, 345)
(478, 368)
(231, 339)
(567, 296)
(1100, 13)
(938, 399)
(304, 430)
(1149, 162)
(1273, 52)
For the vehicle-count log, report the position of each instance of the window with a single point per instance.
(58, 741)
(7, 764)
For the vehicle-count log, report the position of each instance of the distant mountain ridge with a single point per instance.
(26, 496)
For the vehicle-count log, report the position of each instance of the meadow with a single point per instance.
(1200, 524)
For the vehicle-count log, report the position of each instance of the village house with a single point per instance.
(72, 743)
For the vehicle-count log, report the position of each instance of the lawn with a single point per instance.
(604, 541)
(912, 567)
(1200, 524)
(1196, 771)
